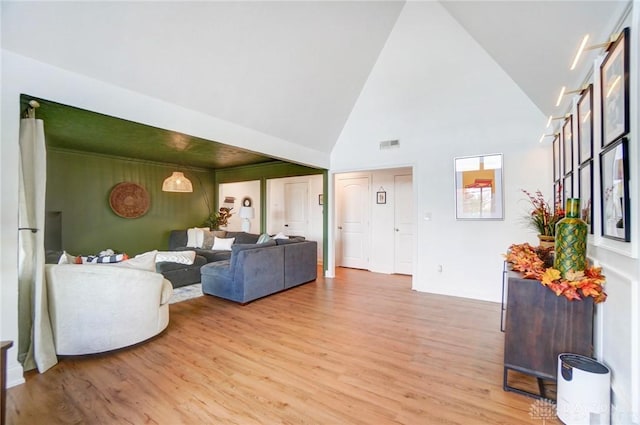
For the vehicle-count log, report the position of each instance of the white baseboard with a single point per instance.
(15, 376)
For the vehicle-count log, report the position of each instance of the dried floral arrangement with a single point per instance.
(544, 215)
(574, 286)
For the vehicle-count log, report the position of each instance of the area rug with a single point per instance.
(186, 292)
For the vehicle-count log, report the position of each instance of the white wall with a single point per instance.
(239, 191)
(483, 111)
(24, 75)
(480, 111)
(276, 204)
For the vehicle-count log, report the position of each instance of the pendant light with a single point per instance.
(177, 182)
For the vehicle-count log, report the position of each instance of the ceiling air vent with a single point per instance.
(388, 144)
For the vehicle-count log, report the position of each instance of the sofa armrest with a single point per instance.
(96, 308)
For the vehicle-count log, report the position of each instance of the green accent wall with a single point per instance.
(79, 184)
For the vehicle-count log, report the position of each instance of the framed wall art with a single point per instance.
(381, 197)
(557, 193)
(567, 189)
(614, 90)
(557, 168)
(567, 145)
(614, 191)
(585, 185)
(479, 193)
(585, 125)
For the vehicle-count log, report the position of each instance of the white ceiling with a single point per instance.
(292, 70)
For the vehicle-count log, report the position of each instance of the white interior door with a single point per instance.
(296, 202)
(353, 222)
(403, 224)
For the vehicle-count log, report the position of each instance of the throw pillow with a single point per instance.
(145, 261)
(66, 258)
(181, 257)
(281, 235)
(104, 259)
(195, 237)
(222, 244)
(264, 238)
(207, 240)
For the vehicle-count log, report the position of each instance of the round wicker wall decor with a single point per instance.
(129, 200)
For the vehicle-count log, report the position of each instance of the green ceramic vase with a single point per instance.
(571, 240)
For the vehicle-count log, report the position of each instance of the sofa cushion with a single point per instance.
(167, 266)
(183, 257)
(290, 240)
(243, 237)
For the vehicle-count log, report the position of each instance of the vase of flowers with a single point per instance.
(543, 217)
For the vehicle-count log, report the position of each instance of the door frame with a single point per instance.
(330, 234)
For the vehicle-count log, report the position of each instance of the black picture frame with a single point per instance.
(585, 125)
(567, 189)
(321, 199)
(614, 90)
(557, 193)
(557, 157)
(614, 191)
(585, 188)
(381, 197)
(567, 145)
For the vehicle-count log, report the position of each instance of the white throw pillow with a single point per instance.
(222, 244)
(281, 235)
(66, 258)
(181, 257)
(195, 237)
(145, 261)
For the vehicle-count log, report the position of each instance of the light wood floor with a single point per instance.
(362, 348)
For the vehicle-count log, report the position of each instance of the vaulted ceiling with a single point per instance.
(292, 70)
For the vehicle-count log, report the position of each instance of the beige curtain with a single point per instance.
(35, 338)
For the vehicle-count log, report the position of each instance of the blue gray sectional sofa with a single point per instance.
(258, 270)
(181, 274)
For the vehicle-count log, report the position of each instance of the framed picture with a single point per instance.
(614, 90)
(585, 125)
(479, 187)
(614, 191)
(567, 145)
(557, 193)
(321, 199)
(567, 189)
(585, 184)
(381, 197)
(557, 169)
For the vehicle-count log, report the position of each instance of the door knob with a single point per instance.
(397, 230)
(339, 227)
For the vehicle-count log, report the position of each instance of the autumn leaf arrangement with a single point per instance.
(574, 286)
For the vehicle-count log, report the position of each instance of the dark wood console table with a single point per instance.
(4, 346)
(539, 326)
